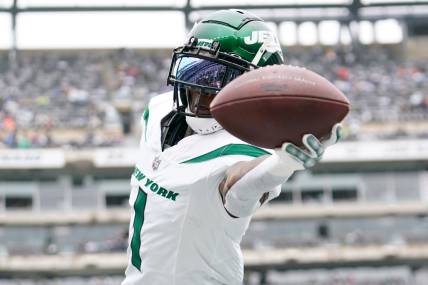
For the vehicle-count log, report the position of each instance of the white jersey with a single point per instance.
(180, 233)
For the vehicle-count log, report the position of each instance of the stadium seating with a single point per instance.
(78, 98)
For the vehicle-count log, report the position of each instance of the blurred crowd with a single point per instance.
(388, 93)
(390, 232)
(354, 276)
(77, 99)
(95, 98)
(77, 280)
(73, 240)
(342, 276)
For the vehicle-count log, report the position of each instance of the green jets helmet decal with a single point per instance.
(204, 43)
(240, 33)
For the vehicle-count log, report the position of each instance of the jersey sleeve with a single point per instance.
(243, 152)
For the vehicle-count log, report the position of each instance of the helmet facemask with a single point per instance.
(198, 73)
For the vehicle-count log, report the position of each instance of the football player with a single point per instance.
(195, 186)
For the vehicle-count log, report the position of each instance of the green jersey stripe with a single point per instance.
(146, 119)
(139, 207)
(230, 149)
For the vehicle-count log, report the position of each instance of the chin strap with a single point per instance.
(203, 126)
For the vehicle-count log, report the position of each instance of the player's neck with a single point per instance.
(189, 132)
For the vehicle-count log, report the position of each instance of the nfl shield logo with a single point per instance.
(156, 162)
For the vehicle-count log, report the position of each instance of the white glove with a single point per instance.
(293, 157)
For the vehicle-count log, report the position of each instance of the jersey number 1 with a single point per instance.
(139, 207)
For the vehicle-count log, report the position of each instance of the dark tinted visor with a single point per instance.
(203, 72)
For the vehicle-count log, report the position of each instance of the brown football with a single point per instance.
(275, 104)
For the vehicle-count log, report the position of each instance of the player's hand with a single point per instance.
(313, 151)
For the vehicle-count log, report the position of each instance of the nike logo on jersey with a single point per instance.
(153, 186)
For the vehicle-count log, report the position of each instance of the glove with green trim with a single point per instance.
(312, 153)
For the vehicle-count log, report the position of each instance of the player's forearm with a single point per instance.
(245, 184)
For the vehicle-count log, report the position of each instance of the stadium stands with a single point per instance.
(69, 128)
(83, 98)
(74, 99)
(388, 93)
(74, 239)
